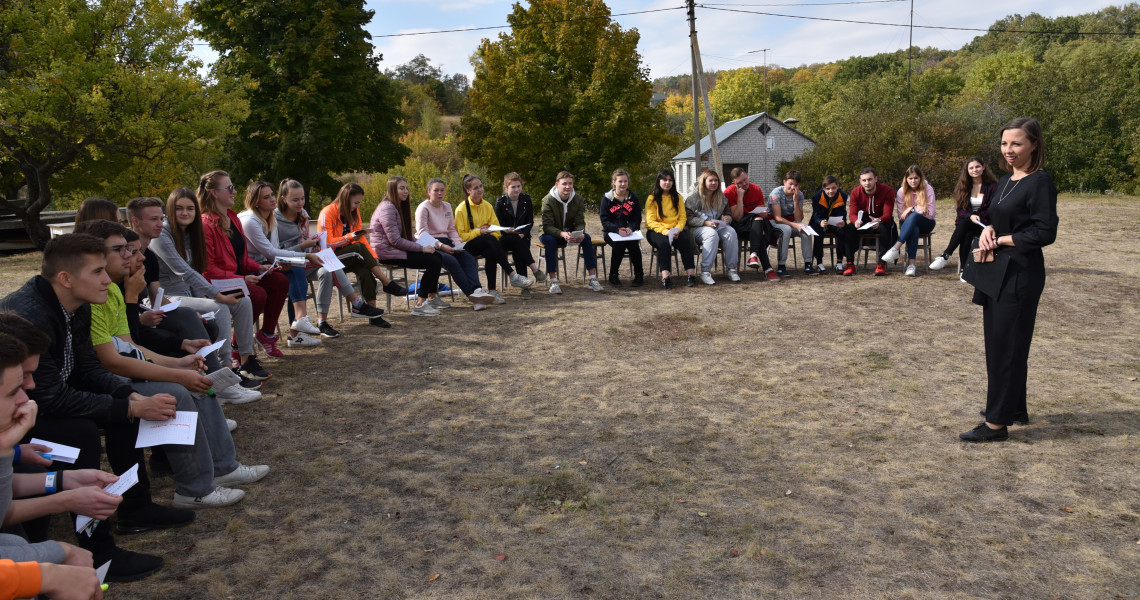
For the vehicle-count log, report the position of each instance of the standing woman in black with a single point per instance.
(1023, 219)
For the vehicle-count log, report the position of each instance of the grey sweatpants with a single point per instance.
(708, 238)
(785, 232)
(235, 319)
(325, 281)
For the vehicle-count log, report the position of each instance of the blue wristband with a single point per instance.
(16, 454)
(49, 482)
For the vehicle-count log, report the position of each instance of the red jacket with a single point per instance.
(221, 261)
(882, 205)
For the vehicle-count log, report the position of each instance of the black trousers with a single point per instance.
(888, 234)
(683, 242)
(519, 249)
(493, 254)
(964, 233)
(760, 234)
(431, 264)
(619, 250)
(1008, 324)
(842, 234)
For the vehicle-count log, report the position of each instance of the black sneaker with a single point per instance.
(252, 369)
(367, 310)
(394, 289)
(246, 382)
(126, 565)
(615, 281)
(152, 516)
(691, 281)
(1019, 418)
(379, 321)
(983, 433)
(810, 271)
(638, 281)
(782, 271)
(667, 283)
(327, 330)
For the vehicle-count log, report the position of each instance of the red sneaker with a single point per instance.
(753, 262)
(269, 343)
(771, 275)
(850, 270)
(880, 269)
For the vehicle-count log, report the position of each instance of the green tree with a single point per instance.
(319, 104)
(91, 89)
(738, 93)
(563, 95)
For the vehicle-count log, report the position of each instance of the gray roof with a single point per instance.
(728, 130)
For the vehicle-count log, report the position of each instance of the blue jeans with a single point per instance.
(463, 267)
(298, 285)
(916, 224)
(552, 244)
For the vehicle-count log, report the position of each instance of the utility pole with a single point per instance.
(909, 52)
(767, 96)
(692, 9)
(701, 94)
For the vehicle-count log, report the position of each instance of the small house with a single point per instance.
(756, 143)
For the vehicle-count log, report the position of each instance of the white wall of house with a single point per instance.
(748, 146)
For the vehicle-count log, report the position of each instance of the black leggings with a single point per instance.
(964, 233)
(841, 235)
(431, 264)
(519, 248)
(619, 250)
(683, 242)
(760, 234)
(493, 253)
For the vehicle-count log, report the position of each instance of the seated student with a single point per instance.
(473, 217)
(201, 469)
(710, 221)
(391, 226)
(620, 213)
(786, 204)
(78, 397)
(871, 203)
(664, 219)
(515, 209)
(972, 194)
(293, 235)
(434, 217)
(915, 206)
(229, 259)
(97, 208)
(344, 233)
(54, 569)
(263, 245)
(744, 198)
(830, 202)
(181, 253)
(564, 222)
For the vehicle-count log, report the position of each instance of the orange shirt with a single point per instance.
(338, 235)
(19, 580)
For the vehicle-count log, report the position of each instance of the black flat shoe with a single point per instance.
(379, 322)
(638, 281)
(983, 433)
(691, 281)
(1019, 418)
(667, 283)
(394, 289)
(152, 516)
(614, 281)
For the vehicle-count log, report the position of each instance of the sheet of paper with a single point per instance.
(59, 452)
(205, 352)
(331, 262)
(497, 228)
(426, 239)
(759, 210)
(158, 298)
(808, 230)
(236, 283)
(208, 316)
(168, 307)
(460, 245)
(270, 270)
(126, 481)
(223, 379)
(834, 221)
(323, 240)
(101, 572)
(180, 430)
(521, 227)
(860, 216)
(632, 237)
(868, 225)
(294, 261)
(673, 234)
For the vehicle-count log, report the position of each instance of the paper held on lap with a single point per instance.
(236, 283)
(868, 225)
(759, 210)
(126, 481)
(426, 239)
(632, 237)
(808, 230)
(223, 379)
(673, 234)
(180, 430)
(835, 221)
(330, 261)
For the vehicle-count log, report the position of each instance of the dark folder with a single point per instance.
(986, 277)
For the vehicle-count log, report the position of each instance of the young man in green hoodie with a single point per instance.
(564, 222)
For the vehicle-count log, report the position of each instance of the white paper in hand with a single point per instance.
(673, 234)
(868, 225)
(834, 221)
(331, 262)
(223, 379)
(101, 572)
(236, 283)
(126, 481)
(497, 228)
(323, 240)
(808, 230)
(759, 210)
(632, 237)
(158, 298)
(208, 316)
(180, 430)
(521, 227)
(205, 352)
(168, 307)
(426, 239)
(59, 452)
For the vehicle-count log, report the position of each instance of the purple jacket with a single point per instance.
(386, 237)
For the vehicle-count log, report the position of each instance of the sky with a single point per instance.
(728, 39)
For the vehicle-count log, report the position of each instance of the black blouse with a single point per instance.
(1027, 210)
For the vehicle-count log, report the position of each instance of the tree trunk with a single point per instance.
(39, 196)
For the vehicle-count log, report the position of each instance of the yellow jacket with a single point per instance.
(481, 214)
(673, 218)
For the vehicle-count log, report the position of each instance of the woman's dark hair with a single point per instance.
(193, 232)
(97, 208)
(658, 192)
(343, 203)
(1032, 131)
(403, 207)
(965, 183)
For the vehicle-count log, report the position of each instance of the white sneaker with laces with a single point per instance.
(938, 264)
(594, 285)
(219, 497)
(479, 295)
(555, 288)
(520, 281)
(706, 278)
(304, 325)
(243, 474)
(479, 307)
(910, 271)
(303, 340)
(438, 302)
(231, 425)
(962, 279)
(236, 394)
(425, 310)
(733, 275)
(891, 255)
(498, 298)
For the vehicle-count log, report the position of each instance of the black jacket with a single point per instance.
(91, 390)
(616, 215)
(509, 218)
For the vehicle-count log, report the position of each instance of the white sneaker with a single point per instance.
(243, 474)
(733, 275)
(962, 279)
(594, 285)
(231, 425)
(479, 307)
(498, 299)
(555, 288)
(891, 255)
(938, 264)
(425, 310)
(706, 278)
(438, 302)
(219, 497)
(236, 394)
(304, 325)
(520, 281)
(910, 271)
(303, 340)
(479, 294)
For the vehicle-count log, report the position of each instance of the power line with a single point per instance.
(803, 3)
(987, 30)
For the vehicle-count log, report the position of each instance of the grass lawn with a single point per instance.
(789, 440)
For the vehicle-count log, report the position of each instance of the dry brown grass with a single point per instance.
(791, 440)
